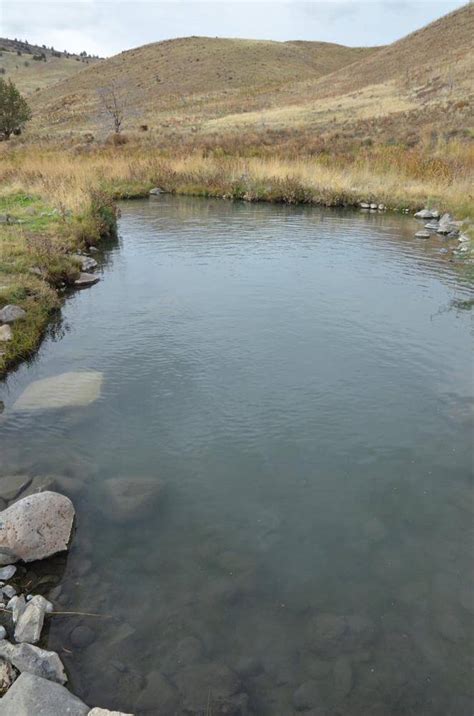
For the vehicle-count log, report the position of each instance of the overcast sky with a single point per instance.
(105, 27)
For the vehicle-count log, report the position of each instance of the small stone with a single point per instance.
(374, 206)
(3, 632)
(87, 262)
(82, 636)
(432, 226)
(364, 205)
(9, 591)
(423, 234)
(30, 623)
(10, 314)
(6, 333)
(17, 605)
(7, 572)
(159, 695)
(381, 207)
(155, 191)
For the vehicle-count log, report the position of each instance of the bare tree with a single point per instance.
(112, 105)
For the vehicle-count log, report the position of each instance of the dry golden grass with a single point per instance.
(390, 176)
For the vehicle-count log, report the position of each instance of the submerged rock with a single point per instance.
(307, 696)
(61, 391)
(30, 622)
(81, 636)
(332, 635)
(196, 682)
(35, 527)
(10, 314)
(158, 696)
(12, 485)
(129, 499)
(31, 695)
(26, 657)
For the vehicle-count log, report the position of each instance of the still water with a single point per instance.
(297, 383)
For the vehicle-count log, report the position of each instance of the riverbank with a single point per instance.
(58, 201)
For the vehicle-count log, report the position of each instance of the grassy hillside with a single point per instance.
(180, 81)
(33, 68)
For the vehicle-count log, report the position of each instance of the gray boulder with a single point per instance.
(35, 527)
(10, 314)
(26, 657)
(427, 214)
(30, 622)
(86, 279)
(423, 234)
(31, 695)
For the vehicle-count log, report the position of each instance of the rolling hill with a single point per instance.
(293, 94)
(33, 67)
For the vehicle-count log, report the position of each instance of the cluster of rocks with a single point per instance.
(32, 679)
(8, 315)
(366, 206)
(87, 264)
(444, 226)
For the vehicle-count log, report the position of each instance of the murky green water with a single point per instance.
(294, 380)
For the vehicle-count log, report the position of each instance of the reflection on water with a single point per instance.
(274, 488)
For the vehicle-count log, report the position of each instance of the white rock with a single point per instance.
(29, 625)
(155, 191)
(35, 527)
(9, 591)
(26, 657)
(61, 391)
(33, 696)
(8, 571)
(6, 333)
(3, 632)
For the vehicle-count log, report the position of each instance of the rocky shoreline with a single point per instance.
(32, 679)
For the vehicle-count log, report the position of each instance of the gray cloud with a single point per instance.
(108, 26)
